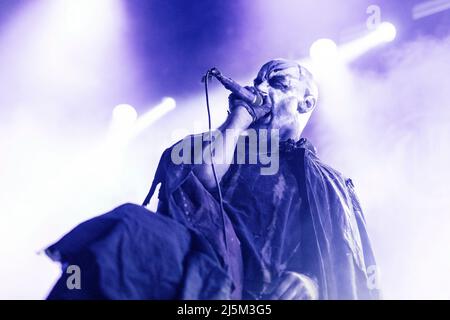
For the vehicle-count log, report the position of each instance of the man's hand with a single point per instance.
(256, 112)
(295, 286)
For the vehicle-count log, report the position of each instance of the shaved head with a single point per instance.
(290, 68)
(290, 90)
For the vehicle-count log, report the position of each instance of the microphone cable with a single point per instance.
(205, 79)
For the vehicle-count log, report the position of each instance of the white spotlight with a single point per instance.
(124, 115)
(126, 125)
(323, 49)
(167, 104)
(386, 31)
(124, 118)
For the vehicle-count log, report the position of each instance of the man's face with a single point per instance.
(284, 92)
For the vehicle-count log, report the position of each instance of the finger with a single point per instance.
(284, 285)
(303, 294)
(311, 290)
(307, 293)
(295, 291)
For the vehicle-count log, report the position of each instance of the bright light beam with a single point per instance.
(428, 8)
(143, 122)
(125, 124)
(385, 32)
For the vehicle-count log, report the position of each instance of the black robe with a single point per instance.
(188, 250)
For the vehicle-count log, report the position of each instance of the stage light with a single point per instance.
(167, 104)
(323, 50)
(86, 17)
(126, 125)
(124, 115)
(427, 8)
(386, 32)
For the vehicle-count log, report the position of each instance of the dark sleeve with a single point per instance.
(132, 253)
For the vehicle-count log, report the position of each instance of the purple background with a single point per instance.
(382, 119)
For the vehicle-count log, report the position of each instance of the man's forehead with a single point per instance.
(288, 72)
(278, 67)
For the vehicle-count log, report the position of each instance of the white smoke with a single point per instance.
(390, 132)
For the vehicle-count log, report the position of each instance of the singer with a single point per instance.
(229, 231)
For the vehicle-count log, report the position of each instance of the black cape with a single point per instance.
(188, 250)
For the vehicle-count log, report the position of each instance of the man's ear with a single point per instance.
(308, 103)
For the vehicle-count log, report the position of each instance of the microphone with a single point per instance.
(253, 98)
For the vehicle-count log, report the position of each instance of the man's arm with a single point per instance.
(223, 149)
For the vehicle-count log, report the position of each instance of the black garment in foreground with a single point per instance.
(187, 250)
(132, 253)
